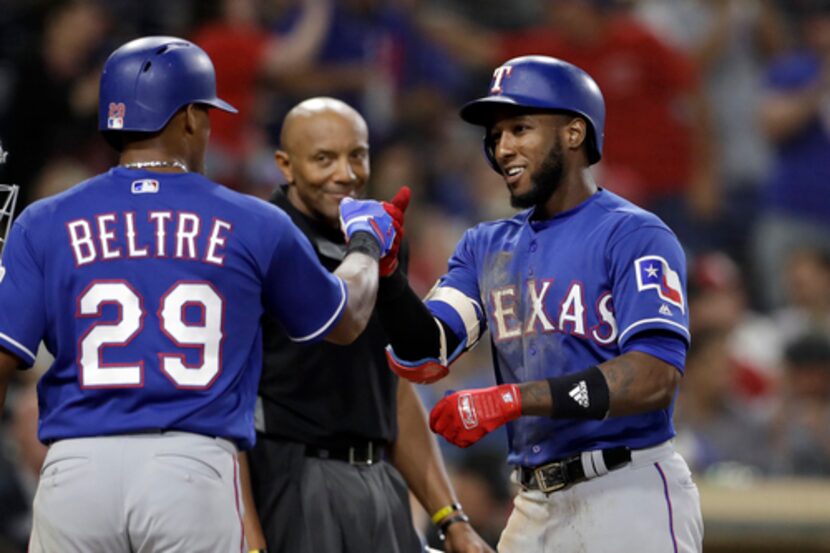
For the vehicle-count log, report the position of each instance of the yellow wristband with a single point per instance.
(444, 512)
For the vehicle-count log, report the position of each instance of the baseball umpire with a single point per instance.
(584, 296)
(147, 283)
(340, 437)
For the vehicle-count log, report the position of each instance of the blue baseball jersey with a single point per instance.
(561, 295)
(148, 289)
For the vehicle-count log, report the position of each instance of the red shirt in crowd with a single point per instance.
(237, 54)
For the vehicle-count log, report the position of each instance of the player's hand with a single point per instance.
(367, 216)
(464, 417)
(396, 209)
(461, 538)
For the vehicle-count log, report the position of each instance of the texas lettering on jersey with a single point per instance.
(570, 315)
(176, 234)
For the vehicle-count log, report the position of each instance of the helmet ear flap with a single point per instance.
(490, 152)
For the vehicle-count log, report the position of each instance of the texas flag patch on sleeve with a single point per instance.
(654, 272)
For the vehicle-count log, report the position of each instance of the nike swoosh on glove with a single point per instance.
(466, 416)
(367, 216)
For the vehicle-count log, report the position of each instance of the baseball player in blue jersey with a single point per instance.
(147, 283)
(583, 295)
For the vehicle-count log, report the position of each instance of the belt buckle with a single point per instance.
(367, 461)
(541, 480)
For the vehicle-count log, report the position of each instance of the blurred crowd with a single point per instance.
(718, 121)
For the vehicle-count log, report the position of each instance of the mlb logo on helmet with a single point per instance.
(654, 272)
(115, 117)
(467, 411)
(145, 186)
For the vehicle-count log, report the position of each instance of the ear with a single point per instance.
(283, 161)
(576, 132)
(190, 119)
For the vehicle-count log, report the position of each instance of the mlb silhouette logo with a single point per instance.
(145, 186)
(115, 118)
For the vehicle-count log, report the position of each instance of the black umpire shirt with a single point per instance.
(322, 394)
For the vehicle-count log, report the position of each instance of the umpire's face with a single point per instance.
(325, 157)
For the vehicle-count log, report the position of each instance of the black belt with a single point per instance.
(558, 474)
(365, 453)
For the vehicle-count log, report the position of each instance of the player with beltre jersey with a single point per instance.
(164, 295)
(148, 283)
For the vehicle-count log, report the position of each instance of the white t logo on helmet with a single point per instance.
(498, 75)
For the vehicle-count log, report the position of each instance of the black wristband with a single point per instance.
(583, 395)
(364, 242)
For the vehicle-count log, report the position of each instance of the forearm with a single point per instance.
(8, 366)
(359, 271)
(416, 456)
(250, 521)
(474, 45)
(784, 115)
(637, 383)
(293, 51)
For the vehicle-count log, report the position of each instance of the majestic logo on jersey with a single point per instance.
(499, 75)
(654, 272)
(115, 116)
(145, 186)
(579, 393)
(467, 410)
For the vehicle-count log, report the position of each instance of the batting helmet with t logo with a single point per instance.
(541, 82)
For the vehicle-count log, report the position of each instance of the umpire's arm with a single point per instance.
(8, 366)
(416, 456)
(415, 453)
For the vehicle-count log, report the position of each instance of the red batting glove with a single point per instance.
(396, 209)
(464, 417)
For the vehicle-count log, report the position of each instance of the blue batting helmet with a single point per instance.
(146, 81)
(541, 82)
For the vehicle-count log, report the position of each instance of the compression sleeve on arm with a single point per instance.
(410, 327)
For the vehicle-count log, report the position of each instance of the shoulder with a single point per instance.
(626, 214)
(257, 210)
(45, 209)
(498, 227)
(622, 220)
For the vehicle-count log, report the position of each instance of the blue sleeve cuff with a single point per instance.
(665, 346)
(17, 349)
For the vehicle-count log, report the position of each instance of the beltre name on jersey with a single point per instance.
(178, 234)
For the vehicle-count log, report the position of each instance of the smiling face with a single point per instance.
(324, 157)
(528, 150)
